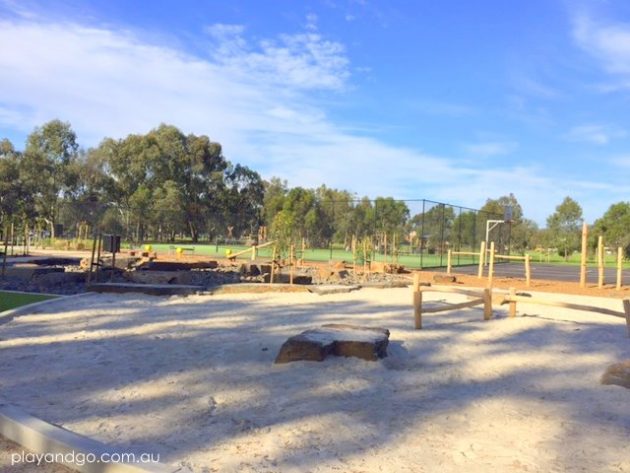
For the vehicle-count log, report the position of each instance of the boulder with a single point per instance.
(367, 343)
(618, 373)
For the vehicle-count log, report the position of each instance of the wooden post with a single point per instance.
(619, 267)
(417, 302)
(89, 276)
(600, 262)
(512, 304)
(482, 255)
(626, 309)
(253, 258)
(6, 246)
(584, 255)
(385, 247)
(491, 265)
(303, 251)
(416, 282)
(354, 254)
(273, 265)
(448, 261)
(291, 251)
(417, 309)
(487, 300)
(528, 271)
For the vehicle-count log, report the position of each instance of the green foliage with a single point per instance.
(563, 227)
(614, 226)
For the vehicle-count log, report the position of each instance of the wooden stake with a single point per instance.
(385, 247)
(600, 262)
(491, 265)
(417, 308)
(512, 304)
(354, 254)
(448, 262)
(416, 282)
(619, 267)
(626, 309)
(487, 299)
(6, 246)
(482, 255)
(291, 252)
(273, 265)
(528, 271)
(253, 258)
(584, 255)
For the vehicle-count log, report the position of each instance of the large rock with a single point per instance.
(367, 343)
(618, 374)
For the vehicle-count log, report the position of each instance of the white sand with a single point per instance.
(193, 379)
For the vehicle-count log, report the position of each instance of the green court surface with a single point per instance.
(315, 255)
(11, 300)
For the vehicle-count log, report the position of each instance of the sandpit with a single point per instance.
(193, 380)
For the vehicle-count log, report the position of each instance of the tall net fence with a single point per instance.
(412, 233)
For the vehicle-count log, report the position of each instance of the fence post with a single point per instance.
(528, 271)
(619, 267)
(491, 266)
(487, 304)
(600, 262)
(448, 262)
(512, 304)
(291, 264)
(417, 302)
(482, 256)
(626, 309)
(584, 255)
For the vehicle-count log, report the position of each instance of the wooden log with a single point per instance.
(459, 305)
(528, 271)
(482, 258)
(417, 309)
(565, 305)
(491, 265)
(619, 267)
(487, 300)
(600, 262)
(584, 255)
(626, 310)
(512, 308)
(448, 262)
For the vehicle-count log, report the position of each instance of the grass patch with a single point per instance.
(12, 300)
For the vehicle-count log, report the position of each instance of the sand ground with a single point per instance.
(193, 380)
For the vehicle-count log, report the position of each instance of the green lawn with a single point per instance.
(11, 300)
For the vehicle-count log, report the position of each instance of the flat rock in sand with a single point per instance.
(367, 343)
(618, 374)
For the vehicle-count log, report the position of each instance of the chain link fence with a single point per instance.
(412, 233)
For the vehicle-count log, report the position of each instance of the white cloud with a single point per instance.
(609, 43)
(595, 134)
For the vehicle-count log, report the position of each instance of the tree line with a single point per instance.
(166, 185)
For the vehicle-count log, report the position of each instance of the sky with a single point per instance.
(451, 101)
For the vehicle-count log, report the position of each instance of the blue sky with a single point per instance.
(452, 101)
